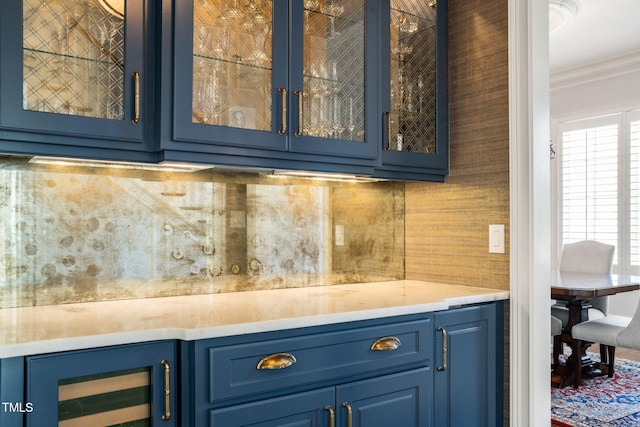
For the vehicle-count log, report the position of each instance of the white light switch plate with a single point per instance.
(496, 238)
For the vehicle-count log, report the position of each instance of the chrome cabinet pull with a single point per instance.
(300, 112)
(283, 111)
(167, 391)
(386, 344)
(276, 361)
(136, 98)
(443, 331)
(332, 416)
(388, 116)
(349, 414)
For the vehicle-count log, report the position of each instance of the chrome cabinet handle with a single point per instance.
(349, 414)
(388, 116)
(386, 344)
(332, 416)
(283, 111)
(300, 112)
(276, 361)
(167, 391)
(136, 97)
(443, 331)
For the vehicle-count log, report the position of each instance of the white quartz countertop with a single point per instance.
(45, 329)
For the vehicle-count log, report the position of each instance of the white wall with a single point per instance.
(607, 87)
(602, 88)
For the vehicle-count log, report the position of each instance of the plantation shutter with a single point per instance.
(590, 181)
(634, 191)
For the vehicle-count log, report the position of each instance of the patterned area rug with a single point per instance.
(601, 401)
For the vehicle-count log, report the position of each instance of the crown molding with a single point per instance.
(600, 70)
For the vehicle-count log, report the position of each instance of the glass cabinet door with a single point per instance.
(333, 74)
(232, 63)
(127, 385)
(286, 75)
(416, 101)
(74, 73)
(231, 72)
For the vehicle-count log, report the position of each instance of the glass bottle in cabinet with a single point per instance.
(76, 70)
(416, 99)
(275, 75)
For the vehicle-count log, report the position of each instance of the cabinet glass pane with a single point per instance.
(413, 76)
(73, 57)
(111, 399)
(334, 37)
(232, 68)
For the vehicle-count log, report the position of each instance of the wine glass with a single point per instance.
(203, 38)
(420, 94)
(336, 122)
(259, 38)
(333, 10)
(222, 40)
(209, 96)
(407, 26)
(309, 5)
(233, 9)
(351, 124)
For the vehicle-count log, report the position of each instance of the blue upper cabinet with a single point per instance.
(278, 83)
(353, 86)
(74, 75)
(414, 90)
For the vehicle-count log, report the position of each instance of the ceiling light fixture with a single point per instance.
(561, 13)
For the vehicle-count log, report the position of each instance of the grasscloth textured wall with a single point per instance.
(447, 224)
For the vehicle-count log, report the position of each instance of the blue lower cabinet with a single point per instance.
(399, 400)
(13, 406)
(468, 367)
(370, 373)
(309, 409)
(125, 385)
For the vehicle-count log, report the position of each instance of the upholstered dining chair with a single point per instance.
(586, 256)
(556, 331)
(610, 332)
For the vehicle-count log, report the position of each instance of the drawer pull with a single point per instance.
(136, 98)
(300, 130)
(349, 414)
(167, 391)
(387, 114)
(443, 331)
(276, 361)
(332, 416)
(283, 111)
(386, 344)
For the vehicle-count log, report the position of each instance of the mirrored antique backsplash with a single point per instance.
(84, 233)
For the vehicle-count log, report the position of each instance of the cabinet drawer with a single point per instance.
(319, 358)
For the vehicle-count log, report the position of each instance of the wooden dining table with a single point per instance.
(578, 289)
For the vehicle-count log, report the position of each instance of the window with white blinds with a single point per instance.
(590, 184)
(634, 195)
(600, 185)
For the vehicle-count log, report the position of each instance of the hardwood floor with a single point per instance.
(623, 353)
